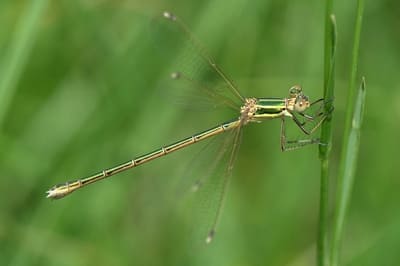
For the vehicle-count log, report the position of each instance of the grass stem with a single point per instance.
(351, 141)
(326, 134)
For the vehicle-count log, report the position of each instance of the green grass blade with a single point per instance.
(346, 179)
(18, 54)
(354, 112)
(326, 135)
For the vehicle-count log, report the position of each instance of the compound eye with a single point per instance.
(295, 90)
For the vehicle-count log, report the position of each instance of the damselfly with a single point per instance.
(297, 107)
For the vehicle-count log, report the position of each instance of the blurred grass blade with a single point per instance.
(354, 112)
(347, 177)
(19, 49)
(326, 135)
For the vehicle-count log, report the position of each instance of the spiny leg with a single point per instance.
(302, 125)
(287, 145)
(309, 123)
(317, 113)
(320, 111)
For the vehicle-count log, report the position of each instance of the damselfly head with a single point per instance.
(301, 103)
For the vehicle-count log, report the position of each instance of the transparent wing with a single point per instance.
(227, 175)
(190, 72)
(206, 181)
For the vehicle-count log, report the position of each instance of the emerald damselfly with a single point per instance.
(307, 115)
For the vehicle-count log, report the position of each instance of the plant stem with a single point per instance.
(354, 113)
(326, 134)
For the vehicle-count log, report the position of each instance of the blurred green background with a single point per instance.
(79, 92)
